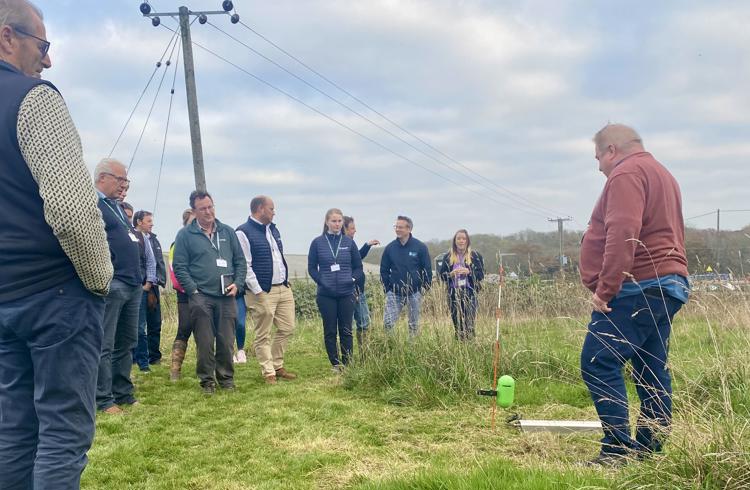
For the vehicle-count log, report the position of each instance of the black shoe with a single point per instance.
(229, 387)
(145, 369)
(155, 362)
(208, 389)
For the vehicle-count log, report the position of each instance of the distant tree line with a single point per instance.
(537, 252)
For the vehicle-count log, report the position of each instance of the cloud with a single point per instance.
(514, 91)
(262, 177)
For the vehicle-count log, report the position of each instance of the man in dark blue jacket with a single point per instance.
(406, 272)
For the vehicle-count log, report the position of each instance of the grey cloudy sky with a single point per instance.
(511, 90)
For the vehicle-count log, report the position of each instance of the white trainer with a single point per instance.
(240, 357)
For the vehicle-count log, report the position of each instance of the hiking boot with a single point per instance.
(284, 374)
(178, 356)
(270, 379)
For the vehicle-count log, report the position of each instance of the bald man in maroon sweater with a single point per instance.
(633, 261)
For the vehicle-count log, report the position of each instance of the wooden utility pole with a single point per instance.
(191, 91)
(192, 100)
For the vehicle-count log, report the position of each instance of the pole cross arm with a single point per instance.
(190, 12)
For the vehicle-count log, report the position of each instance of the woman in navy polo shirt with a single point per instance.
(334, 264)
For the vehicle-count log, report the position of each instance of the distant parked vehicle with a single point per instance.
(439, 259)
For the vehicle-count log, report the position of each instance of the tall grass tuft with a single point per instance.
(542, 330)
(709, 445)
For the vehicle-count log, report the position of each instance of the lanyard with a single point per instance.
(216, 247)
(117, 214)
(335, 255)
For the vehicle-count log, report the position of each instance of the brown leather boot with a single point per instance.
(282, 373)
(178, 355)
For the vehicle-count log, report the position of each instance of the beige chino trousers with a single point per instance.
(267, 309)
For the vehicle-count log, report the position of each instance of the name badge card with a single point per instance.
(335, 267)
(133, 237)
(462, 282)
(221, 263)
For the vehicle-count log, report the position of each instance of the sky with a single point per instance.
(500, 100)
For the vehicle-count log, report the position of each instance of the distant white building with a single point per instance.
(297, 264)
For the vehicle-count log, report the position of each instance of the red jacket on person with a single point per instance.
(636, 228)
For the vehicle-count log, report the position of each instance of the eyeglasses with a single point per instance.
(120, 180)
(43, 43)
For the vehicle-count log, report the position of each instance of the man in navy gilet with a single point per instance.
(54, 269)
(114, 387)
(267, 293)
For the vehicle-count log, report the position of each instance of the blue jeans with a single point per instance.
(147, 350)
(113, 384)
(636, 330)
(49, 351)
(239, 324)
(393, 305)
(362, 312)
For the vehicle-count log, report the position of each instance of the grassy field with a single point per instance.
(407, 417)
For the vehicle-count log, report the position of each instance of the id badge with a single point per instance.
(462, 283)
(221, 263)
(335, 267)
(132, 236)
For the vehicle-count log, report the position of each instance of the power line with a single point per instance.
(143, 92)
(700, 215)
(354, 131)
(151, 110)
(362, 116)
(518, 198)
(166, 130)
(710, 213)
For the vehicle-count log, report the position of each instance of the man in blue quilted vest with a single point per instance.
(268, 295)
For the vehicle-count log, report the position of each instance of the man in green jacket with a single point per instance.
(210, 266)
